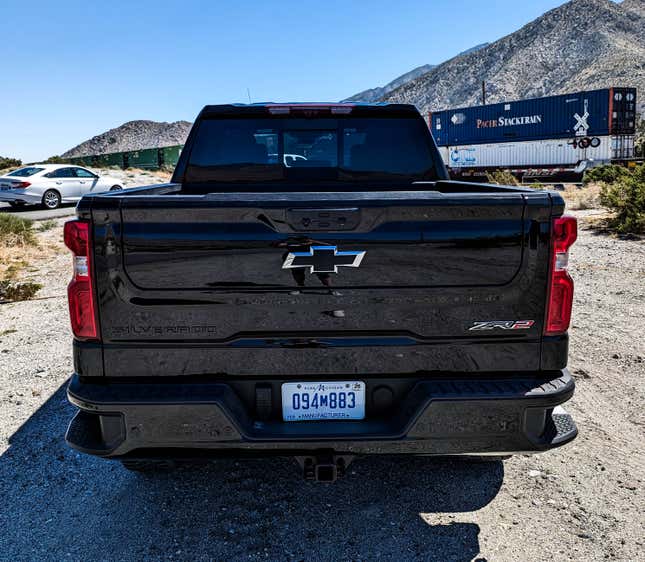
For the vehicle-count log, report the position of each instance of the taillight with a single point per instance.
(560, 296)
(21, 185)
(80, 292)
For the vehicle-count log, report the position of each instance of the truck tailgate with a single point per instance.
(195, 285)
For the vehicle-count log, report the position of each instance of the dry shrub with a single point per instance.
(13, 291)
(17, 242)
(44, 226)
(501, 177)
(18, 246)
(584, 198)
(16, 231)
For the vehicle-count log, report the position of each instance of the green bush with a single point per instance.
(501, 177)
(16, 231)
(605, 174)
(55, 160)
(626, 197)
(12, 291)
(6, 162)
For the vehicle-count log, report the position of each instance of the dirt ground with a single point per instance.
(581, 502)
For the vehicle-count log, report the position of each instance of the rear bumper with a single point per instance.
(19, 197)
(435, 416)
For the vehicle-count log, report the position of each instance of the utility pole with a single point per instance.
(483, 92)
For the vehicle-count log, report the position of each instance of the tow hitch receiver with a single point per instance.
(324, 467)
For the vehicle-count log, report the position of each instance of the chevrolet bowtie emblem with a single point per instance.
(323, 259)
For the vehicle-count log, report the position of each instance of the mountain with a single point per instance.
(583, 44)
(133, 135)
(473, 49)
(635, 6)
(374, 94)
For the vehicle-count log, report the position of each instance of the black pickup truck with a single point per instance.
(311, 284)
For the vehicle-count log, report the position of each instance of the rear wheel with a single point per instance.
(116, 188)
(149, 465)
(51, 199)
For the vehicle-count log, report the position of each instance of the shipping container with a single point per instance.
(114, 159)
(560, 153)
(99, 160)
(147, 158)
(581, 115)
(556, 152)
(168, 155)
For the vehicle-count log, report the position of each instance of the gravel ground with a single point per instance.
(581, 502)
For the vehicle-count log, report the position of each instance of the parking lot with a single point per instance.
(581, 502)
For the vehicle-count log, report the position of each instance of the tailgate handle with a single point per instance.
(324, 219)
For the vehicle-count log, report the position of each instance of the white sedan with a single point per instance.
(50, 185)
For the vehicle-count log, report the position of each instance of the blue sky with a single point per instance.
(74, 69)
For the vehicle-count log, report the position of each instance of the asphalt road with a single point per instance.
(36, 213)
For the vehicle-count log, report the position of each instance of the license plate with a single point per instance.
(336, 400)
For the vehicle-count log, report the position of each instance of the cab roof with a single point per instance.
(333, 108)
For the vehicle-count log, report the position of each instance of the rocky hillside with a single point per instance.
(635, 6)
(133, 135)
(583, 44)
(374, 94)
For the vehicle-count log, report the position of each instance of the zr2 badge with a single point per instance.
(502, 325)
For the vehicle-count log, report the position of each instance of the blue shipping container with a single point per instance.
(595, 113)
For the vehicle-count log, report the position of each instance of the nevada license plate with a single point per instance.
(336, 400)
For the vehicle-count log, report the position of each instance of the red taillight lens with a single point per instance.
(80, 291)
(21, 185)
(560, 296)
(565, 233)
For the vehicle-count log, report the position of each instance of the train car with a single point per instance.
(569, 132)
(146, 158)
(113, 159)
(549, 152)
(596, 113)
(168, 156)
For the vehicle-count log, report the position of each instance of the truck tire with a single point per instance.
(147, 466)
(116, 188)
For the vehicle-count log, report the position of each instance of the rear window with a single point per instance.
(334, 149)
(25, 172)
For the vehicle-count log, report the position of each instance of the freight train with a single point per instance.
(148, 158)
(556, 136)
